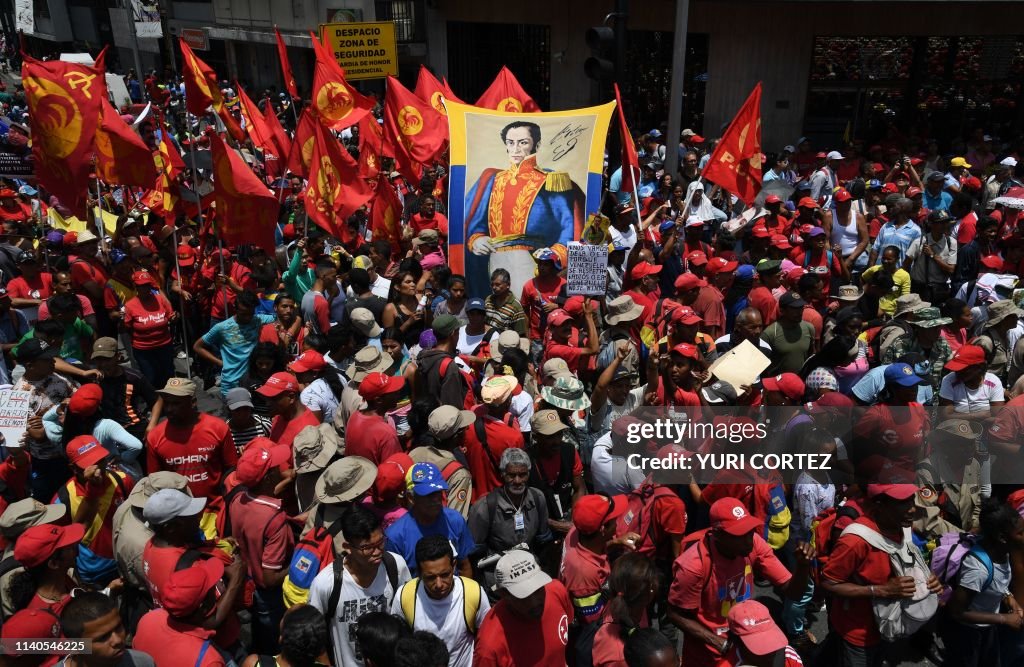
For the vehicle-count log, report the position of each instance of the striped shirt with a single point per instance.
(509, 315)
(243, 436)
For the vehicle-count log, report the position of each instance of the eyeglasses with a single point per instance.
(370, 548)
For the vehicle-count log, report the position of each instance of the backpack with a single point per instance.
(313, 552)
(948, 556)
(471, 593)
(903, 617)
(470, 401)
(828, 259)
(824, 532)
(656, 328)
(884, 335)
(390, 569)
(637, 518)
(558, 494)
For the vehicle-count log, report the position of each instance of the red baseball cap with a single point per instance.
(258, 458)
(288, 231)
(795, 274)
(772, 199)
(558, 317)
(894, 491)
(731, 516)
(644, 269)
(277, 384)
(687, 281)
(967, 355)
(37, 544)
(375, 385)
(310, 360)
(574, 305)
(391, 476)
(84, 451)
(914, 192)
(751, 622)
(144, 278)
(788, 384)
(685, 315)
(889, 189)
(973, 183)
(31, 624)
(760, 232)
(687, 350)
(71, 238)
(807, 202)
(721, 265)
(842, 194)
(697, 257)
(186, 255)
(186, 589)
(86, 400)
(821, 154)
(592, 512)
(993, 262)
(781, 242)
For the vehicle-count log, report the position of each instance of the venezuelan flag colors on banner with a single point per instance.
(519, 182)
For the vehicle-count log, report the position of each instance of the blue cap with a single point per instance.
(425, 478)
(655, 133)
(874, 184)
(476, 303)
(902, 374)
(667, 225)
(27, 190)
(745, 272)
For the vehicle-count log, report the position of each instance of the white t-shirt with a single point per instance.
(610, 473)
(602, 420)
(967, 400)
(445, 619)
(626, 238)
(318, 396)
(353, 603)
(521, 408)
(469, 342)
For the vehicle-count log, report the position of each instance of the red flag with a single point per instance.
(371, 148)
(203, 91)
(278, 135)
(286, 68)
(255, 124)
(630, 161)
(121, 155)
(420, 129)
(163, 199)
(432, 91)
(338, 104)
(246, 209)
(64, 101)
(505, 94)
(386, 216)
(408, 167)
(302, 144)
(736, 163)
(335, 189)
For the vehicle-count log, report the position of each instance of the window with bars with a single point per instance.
(407, 16)
(476, 52)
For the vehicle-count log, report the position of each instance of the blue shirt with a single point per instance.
(901, 237)
(403, 535)
(940, 203)
(871, 385)
(235, 344)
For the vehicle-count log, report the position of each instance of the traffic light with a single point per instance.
(601, 65)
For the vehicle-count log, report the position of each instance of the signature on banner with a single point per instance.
(565, 140)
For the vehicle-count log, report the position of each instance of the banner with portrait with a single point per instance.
(519, 182)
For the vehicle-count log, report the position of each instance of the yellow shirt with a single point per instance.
(901, 286)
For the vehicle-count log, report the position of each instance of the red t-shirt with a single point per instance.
(201, 452)
(438, 221)
(584, 572)
(150, 327)
(710, 306)
(712, 593)
(84, 270)
(967, 230)
(609, 648)
(813, 317)
(535, 295)
(175, 642)
(241, 275)
(681, 399)
(550, 466)
(817, 263)
(898, 431)
(264, 537)
(283, 431)
(853, 559)
(569, 353)
(40, 287)
(371, 437)
(87, 309)
(500, 436)
(761, 298)
(506, 639)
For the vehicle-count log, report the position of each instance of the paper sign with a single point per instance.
(588, 269)
(15, 409)
(741, 365)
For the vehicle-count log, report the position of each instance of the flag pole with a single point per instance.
(199, 207)
(184, 322)
(99, 218)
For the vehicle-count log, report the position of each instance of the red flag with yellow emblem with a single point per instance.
(337, 104)
(432, 91)
(335, 190)
(64, 101)
(121, 155)
(418, 127)
(301, 152)
(736, 163)
(371, 148)
(163, 198)
(255, 123)
(386, 216)
(246, 209)
(286, 67)
(278, 135)
(505, 94)
(203, 91)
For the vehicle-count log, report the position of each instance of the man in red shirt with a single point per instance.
(428, 217)
(646, 288)
(494, 431)
(369, 433)
(88, 275)
(761, 297)
(756, 639)
(718, 572)
(194, 444)
(530, 624)
(32, 287)
(890, 510)
(261, 528)
(561, 347)
(290, 416)
(541, 293)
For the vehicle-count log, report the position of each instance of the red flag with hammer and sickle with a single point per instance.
(64, 101)
(736, 163)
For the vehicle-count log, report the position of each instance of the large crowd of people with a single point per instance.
(333, 455)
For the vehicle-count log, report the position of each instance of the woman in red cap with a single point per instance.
(148, 319)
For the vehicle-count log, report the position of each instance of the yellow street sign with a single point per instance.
(364, 50)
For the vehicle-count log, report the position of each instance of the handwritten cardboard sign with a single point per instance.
(15, 409)
(588, 269)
